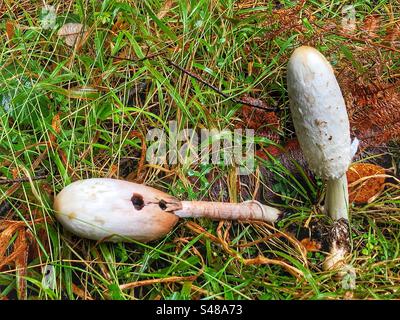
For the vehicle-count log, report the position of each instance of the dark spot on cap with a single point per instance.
(162, 204)
(330, 138)
(137, 201)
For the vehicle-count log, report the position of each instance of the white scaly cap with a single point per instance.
(111, 209)
(319, 113)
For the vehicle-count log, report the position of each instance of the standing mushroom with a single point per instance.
(118, 210)
(322, 127)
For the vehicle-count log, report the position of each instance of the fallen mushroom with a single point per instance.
(118, 210)
(322, 127)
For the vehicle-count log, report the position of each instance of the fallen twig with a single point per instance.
(24, 179)
(198, 78)
(154, 281)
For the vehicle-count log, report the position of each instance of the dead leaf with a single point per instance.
(120, 25)
(56, 125)
(15, 173)
(365, 181)
(80, 292)
(291, 147)
(265, 123)
(393, 35)
(21, 263)
(371, 25)
(112, 171)
(311, 245)
(17, 254)
(5, 237)
(165, 9)
(10, 29)
(71, 32)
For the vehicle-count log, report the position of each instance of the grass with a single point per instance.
(76, 112)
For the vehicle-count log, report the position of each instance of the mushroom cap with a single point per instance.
(113, 210)
(319, 113)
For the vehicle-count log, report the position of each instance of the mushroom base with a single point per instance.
(340, 246)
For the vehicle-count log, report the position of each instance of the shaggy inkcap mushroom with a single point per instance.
(322, 127)
(117, 210)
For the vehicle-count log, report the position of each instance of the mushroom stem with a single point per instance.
(337, 198)
(337, 203)
(117, 210)
(248, 210)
